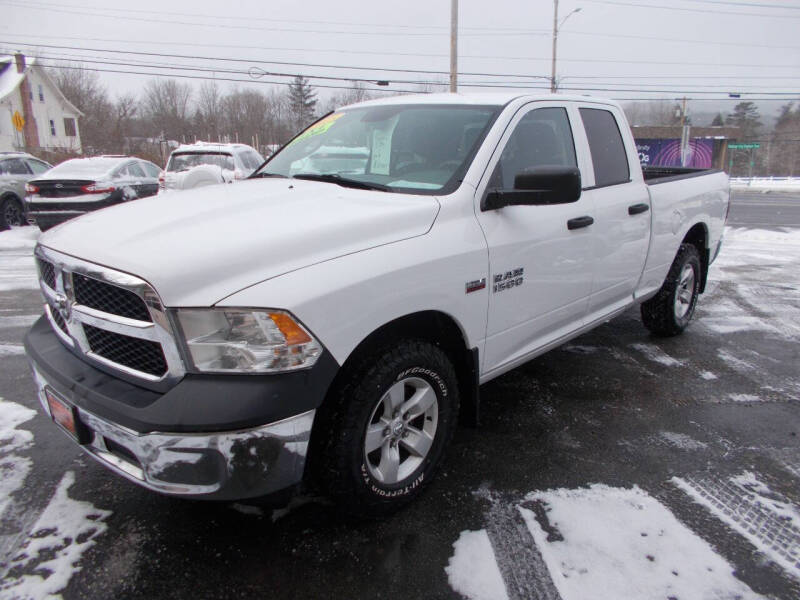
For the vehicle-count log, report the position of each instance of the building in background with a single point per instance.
(34, 114)
(707, 146)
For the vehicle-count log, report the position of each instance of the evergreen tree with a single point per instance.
(718, 121)
(745, 116)
(302, 102)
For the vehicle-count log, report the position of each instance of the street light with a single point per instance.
(556, 27)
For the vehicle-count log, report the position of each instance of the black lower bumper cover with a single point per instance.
(196, 404)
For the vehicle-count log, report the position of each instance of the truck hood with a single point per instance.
(198, 246)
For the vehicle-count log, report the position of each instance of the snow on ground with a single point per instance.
(13, 467)
(682, 441)
(765, 518)
(656, 354)
(18, 321)
(11, 349)
(472, 570)
(51, 555)
(17, 269)
(605, 542)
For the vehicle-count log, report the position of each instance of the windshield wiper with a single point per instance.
(255, 175)
(343, 181)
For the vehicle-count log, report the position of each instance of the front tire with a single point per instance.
(387, 427)
(668, 312)
(11, 213)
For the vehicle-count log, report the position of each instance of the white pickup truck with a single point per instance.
(331, 318)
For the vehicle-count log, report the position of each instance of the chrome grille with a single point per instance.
(109, 298)
(134, 353)
(47, 272)
(116, 321)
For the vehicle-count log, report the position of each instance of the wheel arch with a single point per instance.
(436, 327)
(698, 237)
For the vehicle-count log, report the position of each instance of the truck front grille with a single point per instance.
(47, 272)
(109, 298)
(134, 353)
(114, 320)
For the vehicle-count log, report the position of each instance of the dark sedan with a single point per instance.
(82, 185)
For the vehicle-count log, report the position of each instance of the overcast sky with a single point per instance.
(613, 48)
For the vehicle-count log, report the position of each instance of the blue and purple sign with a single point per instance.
(667, 153)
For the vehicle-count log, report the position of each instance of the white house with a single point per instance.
(50, 120)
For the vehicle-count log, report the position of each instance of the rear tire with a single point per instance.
(668, 312)
(11, 213)
(386, 428)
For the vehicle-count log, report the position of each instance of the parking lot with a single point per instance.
(617, 466)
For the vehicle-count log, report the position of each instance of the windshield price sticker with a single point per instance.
(319, 128)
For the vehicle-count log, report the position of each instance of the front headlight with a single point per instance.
(234, 340)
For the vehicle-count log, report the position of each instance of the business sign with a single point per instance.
(667, 153)
(744, 146)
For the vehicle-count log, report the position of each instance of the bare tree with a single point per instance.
(356, 93)
(211, 107)
(654, 113)
(166, 103)
(83, 89)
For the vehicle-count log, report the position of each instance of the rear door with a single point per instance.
(621, 229)
(151, 172)
(540, 269)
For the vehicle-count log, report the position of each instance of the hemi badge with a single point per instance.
(474, 286)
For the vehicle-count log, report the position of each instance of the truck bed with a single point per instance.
(656, 175)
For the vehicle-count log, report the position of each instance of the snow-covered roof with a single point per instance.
(210, 147)
(10, 79)
(81, 168)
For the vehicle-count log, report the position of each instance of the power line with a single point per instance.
(394, 54)
(497, 86)
(695, 10)
(754, 4)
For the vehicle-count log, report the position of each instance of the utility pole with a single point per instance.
(454, 46)
(556, 27)
(555, 46)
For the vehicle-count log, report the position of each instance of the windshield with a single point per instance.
(407, 148)
(185, 161)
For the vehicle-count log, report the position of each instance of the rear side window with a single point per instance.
(135, 170)
(37, 166)
(605, 143)
(13, 166)
(151, 169)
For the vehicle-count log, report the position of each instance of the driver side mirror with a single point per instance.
(538, 186)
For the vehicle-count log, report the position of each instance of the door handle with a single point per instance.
(636, 209)
(579, 222)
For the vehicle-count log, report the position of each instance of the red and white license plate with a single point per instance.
(63, 412)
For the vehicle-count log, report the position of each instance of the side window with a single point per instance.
(41, 93)
(13, 166)
(37, 166)
(607, 148)
(52, 127)
(135, 170)
(120, 173)
(542, 137)
(151, 169)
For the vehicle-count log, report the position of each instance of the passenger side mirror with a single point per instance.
(538, 186)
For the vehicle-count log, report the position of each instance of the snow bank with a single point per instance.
(472, 570)
(13, 468)
(605, 542)
(51, 555)
(17, 268)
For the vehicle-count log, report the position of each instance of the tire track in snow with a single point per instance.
(521, 564)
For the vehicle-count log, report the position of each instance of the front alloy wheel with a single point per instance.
(401, 430)
(12, 215)
(381, 436)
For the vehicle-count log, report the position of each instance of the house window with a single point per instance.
(69, 127)
(41, 93)
(52, 127)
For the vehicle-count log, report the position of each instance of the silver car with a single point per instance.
(16, 168)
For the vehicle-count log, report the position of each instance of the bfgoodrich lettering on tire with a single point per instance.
(670, 310)
(386, 428)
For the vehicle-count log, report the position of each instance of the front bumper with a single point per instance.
(219, 438)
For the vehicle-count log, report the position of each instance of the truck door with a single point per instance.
(540, 268)
(621, 229)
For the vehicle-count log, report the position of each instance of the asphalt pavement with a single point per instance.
(676, 462)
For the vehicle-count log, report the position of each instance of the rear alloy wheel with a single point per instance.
(668, 312)
(11, 214)
(384, 431)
